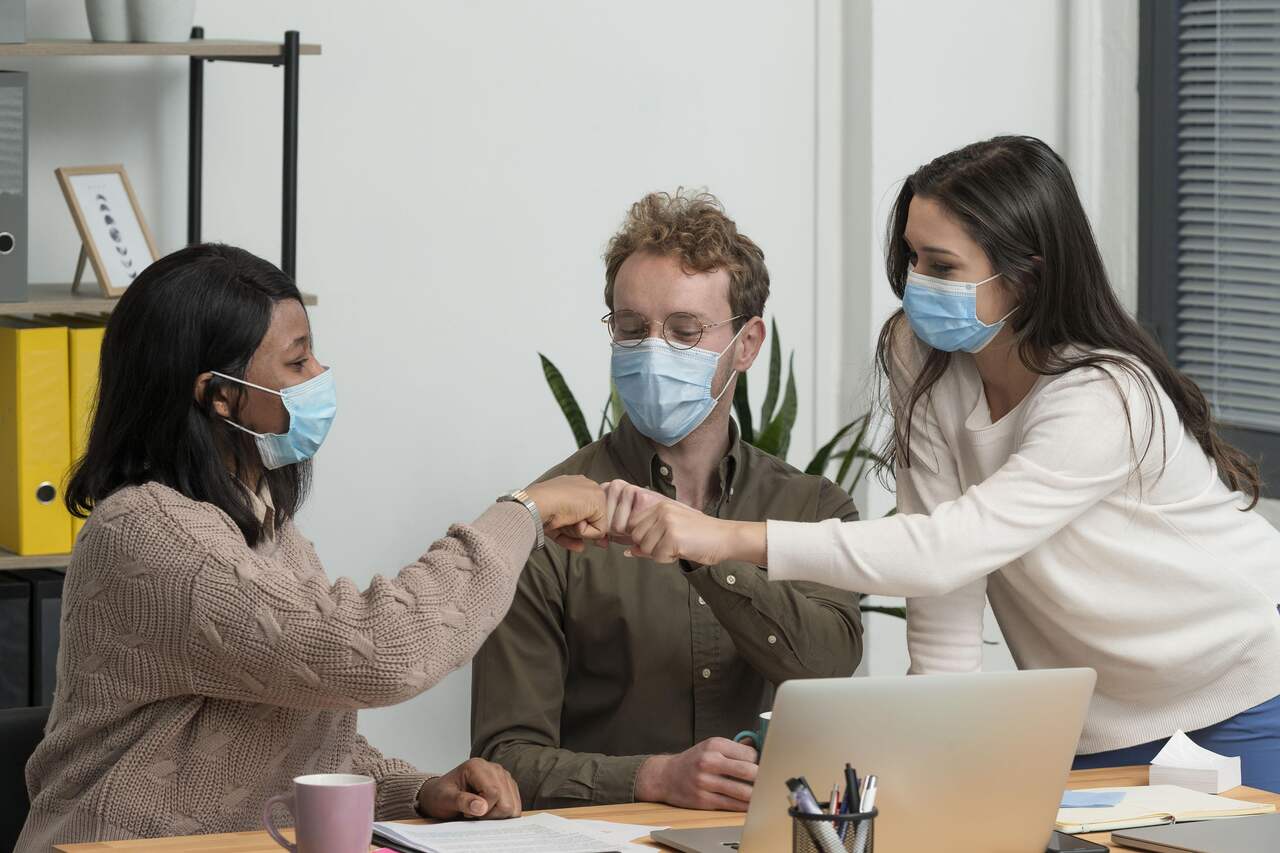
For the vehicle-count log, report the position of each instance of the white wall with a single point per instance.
(462, 165)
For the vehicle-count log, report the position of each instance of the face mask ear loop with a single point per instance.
(244, 429)
(734, 373)
(243, 382)
(1006, 316)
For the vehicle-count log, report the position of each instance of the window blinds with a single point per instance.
(1228, 245)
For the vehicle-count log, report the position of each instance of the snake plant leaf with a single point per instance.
(820, 459)
(776, 437)
(567, 402)
(850, 454)
(775, 376)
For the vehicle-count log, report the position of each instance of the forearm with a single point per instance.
(268, 636)
(552, 777)
(746, 542)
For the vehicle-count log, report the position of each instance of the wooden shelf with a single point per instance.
(12, 561)
(58, 299)
(212, 48)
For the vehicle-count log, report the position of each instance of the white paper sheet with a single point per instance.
(1182, 751)
(542, 833)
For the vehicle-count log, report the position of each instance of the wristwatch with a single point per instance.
(520, 496)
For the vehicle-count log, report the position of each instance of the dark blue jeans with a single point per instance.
(1254, 735)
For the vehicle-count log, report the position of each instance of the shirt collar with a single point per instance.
(638, 457)
(263, 509)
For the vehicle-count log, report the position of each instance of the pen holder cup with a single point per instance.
(805, 830)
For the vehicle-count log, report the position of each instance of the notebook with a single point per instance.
(1153, 805)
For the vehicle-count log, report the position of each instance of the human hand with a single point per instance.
(660, 529)
(474, 789)
(573, 510)
(714, 774)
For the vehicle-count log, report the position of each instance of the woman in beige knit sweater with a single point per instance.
(206, 657)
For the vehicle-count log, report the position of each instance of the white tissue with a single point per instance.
(1184, 763)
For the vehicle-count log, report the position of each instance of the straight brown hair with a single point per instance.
(1015, 197)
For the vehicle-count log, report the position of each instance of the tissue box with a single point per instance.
(1205, 780)
(1187, 765)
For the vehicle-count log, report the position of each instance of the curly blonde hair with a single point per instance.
(694, 228)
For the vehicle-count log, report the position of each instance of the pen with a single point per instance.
(824, 837)
(851, 792)
(866, 804)
(833, 805)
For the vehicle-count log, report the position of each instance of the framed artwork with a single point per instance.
(114, 235)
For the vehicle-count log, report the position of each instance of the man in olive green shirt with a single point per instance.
(614, 680)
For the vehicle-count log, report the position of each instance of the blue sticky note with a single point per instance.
(1090, 799)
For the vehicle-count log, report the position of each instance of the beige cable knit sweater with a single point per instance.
(198, 676)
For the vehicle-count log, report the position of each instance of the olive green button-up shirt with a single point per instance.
(604, 660)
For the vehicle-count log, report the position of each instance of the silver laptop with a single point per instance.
(1260, 834)
(965, 762)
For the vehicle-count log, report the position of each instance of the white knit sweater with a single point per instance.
(1146, 571)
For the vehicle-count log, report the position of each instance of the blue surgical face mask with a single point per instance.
(667, 391)
(311, 407)
(944, 314)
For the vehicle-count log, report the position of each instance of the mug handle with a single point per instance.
(754, 737)
(285, 800)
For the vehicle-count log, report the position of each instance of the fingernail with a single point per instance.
(626, 553)
(477, 807)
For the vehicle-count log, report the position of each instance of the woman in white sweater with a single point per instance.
(1048, 458)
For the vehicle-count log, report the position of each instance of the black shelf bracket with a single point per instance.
(290, 59)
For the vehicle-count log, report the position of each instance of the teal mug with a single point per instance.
(756, 737)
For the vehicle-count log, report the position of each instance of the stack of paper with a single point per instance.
(542, 833)
(1184, 763)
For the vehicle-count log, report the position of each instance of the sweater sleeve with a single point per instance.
(398, 781)
(254, 630)
(1080, 442)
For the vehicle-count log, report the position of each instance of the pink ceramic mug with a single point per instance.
(332, 813)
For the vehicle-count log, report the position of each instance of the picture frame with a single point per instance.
(114, 236)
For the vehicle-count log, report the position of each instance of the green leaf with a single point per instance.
(605, 423)
(612, 413)
(849, 455)
(776, 437)
(823, 456)
(616, 408)
(775, 376)
(742, 408)
(790, 407)
(567, 402)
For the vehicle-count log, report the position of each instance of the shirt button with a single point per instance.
(731, 580)
(664, 471)
(702, 600)
(706, 673)
(772, 639)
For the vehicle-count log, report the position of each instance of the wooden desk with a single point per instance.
(640, 813)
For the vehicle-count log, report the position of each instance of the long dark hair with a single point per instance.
(202, 308)
(1015, 198)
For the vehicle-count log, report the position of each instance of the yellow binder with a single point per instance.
(35, 438)
(84, 344)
